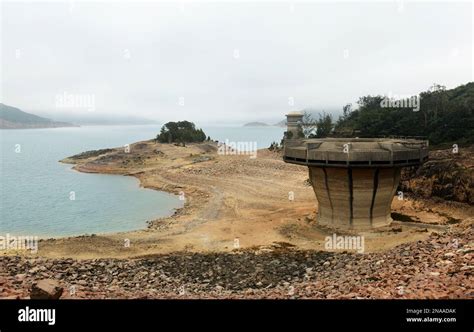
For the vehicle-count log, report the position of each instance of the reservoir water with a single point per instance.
(36, 190)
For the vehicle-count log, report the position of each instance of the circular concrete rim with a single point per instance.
(363, 140)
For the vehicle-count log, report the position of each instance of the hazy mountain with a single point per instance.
(93, 118)
(256, 124)
(14, 118)
(281, 123)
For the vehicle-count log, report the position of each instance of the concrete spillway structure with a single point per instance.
(355, 179)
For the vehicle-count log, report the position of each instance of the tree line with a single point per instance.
(440, 115)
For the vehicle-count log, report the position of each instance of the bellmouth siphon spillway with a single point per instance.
(354, 179)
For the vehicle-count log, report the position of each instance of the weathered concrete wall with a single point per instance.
(293, 120)
(358, 198)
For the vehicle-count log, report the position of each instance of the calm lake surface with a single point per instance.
(35, 189)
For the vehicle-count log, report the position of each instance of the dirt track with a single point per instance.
(232, 201)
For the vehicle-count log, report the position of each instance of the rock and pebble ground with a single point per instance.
(440, 267)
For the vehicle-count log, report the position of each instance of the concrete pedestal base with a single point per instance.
(354, 198)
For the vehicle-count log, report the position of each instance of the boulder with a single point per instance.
(46, 289)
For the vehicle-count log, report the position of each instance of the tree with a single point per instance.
(440, 99)
(274, 146)
(308, 125)
(324, 125)
(180, 132)
(343, 121)
(346, 110)
(288, 134)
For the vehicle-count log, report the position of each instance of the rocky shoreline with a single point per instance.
(438, 268)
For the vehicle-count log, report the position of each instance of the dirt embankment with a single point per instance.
(449, 174)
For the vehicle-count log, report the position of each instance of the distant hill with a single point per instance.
(256, 124)
(14, 118)
(96, 118)
(281, 123)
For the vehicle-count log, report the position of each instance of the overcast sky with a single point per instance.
(228, 62)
